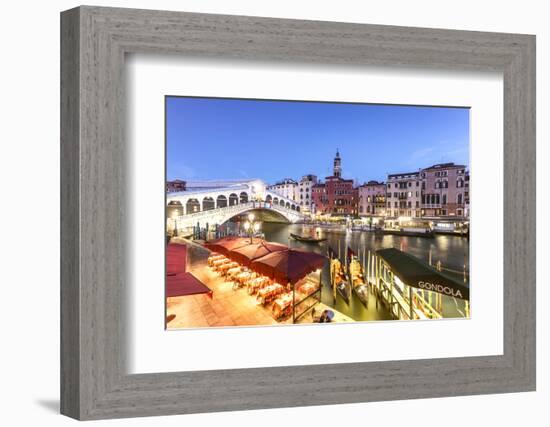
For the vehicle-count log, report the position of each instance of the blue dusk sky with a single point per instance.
(210, 138)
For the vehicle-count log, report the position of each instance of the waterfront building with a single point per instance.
(304, 192)
(372, 199)
(287, 188)
(336, 196)
(467, 195)
(342, 196)
(337, 172)
(319, 199)
(175, 186)
(404, 195)
(445, 190)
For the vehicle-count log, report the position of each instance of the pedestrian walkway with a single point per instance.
(226, 307)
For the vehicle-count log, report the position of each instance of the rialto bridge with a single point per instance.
(215, 202)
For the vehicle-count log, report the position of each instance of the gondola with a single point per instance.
(409, 232)
(305, 239)
(340, 280)
(453, 233)
(358, 282)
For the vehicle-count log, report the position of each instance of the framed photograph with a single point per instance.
(262, 213)
(269, 230)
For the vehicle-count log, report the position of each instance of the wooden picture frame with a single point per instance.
(94, 41)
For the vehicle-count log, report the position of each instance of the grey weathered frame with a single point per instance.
(94, 42)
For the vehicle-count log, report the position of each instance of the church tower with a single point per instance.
(337, 165)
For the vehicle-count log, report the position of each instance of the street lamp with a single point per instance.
(252, 226)
(174, 218)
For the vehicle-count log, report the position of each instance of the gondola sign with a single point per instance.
(417, 274)
(441, 289)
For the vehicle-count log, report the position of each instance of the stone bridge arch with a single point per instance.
(222, 215)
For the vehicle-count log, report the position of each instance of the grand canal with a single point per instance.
(451, 251)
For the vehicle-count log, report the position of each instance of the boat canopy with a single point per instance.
(413, 272)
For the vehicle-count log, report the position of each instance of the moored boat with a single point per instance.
(458, 233)
(344, 289)
(306, 239)
(413, 232)
(358, 282)
(340, 280)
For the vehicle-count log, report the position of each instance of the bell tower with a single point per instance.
(337, 165)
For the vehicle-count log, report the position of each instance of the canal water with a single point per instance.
(451, 251)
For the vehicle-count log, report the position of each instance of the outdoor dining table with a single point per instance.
(243, 276)
(233, 271)
(307, 288)
(266, 294)
(255, 284)
(282, 306)
(282, 302)
(218, 263)
(224, 268)
(214, 258)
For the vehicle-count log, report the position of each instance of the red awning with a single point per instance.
(185, 284)
(175, 258)
(178, 281)
(288, 266)
(246, 254)
(225, 244)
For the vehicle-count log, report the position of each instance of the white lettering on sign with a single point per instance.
(441, 289)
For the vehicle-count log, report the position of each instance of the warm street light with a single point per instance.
(252, 226)
(174, 218)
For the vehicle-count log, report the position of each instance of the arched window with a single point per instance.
(221, 201)
(282, 202)
(233, 199)
(276, 200)
(243, 198)
(208, 204)
(268, 198)
(459, 183)
(173, 209)
(192, 206)
(293, 207)
(459, 198)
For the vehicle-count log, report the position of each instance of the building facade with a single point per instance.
(175, 186)
(287, 188)
(445, 190)
(319, 199)
(404, 195)
(304, 192)
(342, 196)
(372, 199)
(336, 196)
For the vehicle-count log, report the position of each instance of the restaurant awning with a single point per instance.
(288, 266)
(179, 282)
(246, 254)
(416, 273)
(225, 244)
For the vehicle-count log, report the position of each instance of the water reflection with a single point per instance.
(451, 251)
